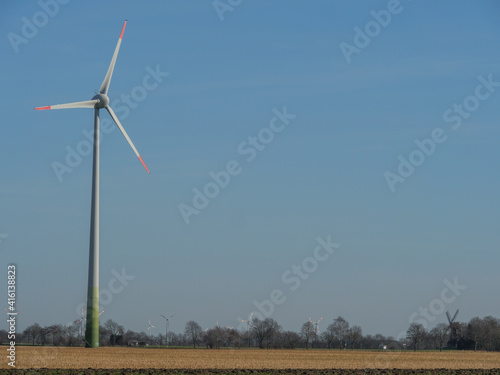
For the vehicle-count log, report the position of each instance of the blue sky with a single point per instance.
(324, 175)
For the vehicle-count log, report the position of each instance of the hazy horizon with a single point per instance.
(357, 141)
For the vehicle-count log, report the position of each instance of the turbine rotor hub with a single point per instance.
(103, 100)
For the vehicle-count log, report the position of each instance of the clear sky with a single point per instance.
(369, 124)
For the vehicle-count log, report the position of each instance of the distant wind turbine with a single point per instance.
(150, 328)
(167, 321)
(83, 320)
(98, 102)
(316, 324)
(249, 325)
(248, 321)
(10, 313)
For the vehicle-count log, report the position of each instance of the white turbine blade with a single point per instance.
(107, 80)
(84, 104)
(164, 316)
(117, 122)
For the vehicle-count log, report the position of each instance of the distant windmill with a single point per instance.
(150, 328)
(248, 321)
(316, 324)
(83, 322)
(452, 327)
(249, 325)
(167, 321)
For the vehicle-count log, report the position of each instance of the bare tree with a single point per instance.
(354, 334)
(259, 331)
(289, 339)
(4, 336)
(439, 334)
(415, 334)
(115, 332)
(340, 329)
(265, 331)
(32, 332)
(308, 333)
(232, 337)
(103, 335)
(329, 336)
(214, 337)
(193, 330)
(56, 332)
(491, 334)
(72, 333)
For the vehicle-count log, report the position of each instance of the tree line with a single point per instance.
(477, 334)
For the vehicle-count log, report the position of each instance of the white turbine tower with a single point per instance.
(167, 321)
(316, 324)
(98, 102)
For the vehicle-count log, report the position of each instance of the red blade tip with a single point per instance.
(123, 30)
(38, 108)
(144, 164)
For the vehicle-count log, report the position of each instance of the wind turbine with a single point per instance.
(316, 324)
(98, 102)
(83, 320)
(167, 320)
(248, 321)
(150, 329)
(452, 325)
(249, 324)
(10, 313)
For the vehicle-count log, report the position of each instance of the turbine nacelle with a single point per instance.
(103, 101)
